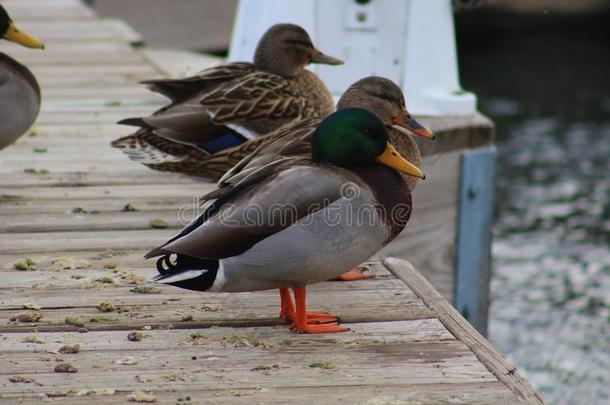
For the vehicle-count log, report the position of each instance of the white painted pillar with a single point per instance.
(411, 42)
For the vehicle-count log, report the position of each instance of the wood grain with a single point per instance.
(463, 331)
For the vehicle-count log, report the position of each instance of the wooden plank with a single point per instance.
(74, 50)
(397, 393)
(170, 361)
(463, 331)
(44, 5)
(60, 295)
(164, 188)
(456, 133)
(49, 242)
(93, 71)
(124, 94)
(70, 133)
(429, 239)
(57, 59)
(44, 10)
(113, 220)
(140, 103)
(473, 251)
(84, 80)
(20, 208)
(99, 30)
(134, 177)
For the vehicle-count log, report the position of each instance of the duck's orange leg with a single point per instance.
(287, 310)
(357, 273)
(286, 307)
(301, 322)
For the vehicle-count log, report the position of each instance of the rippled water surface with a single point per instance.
(548, 90)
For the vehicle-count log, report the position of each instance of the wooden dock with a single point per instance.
(75, 219)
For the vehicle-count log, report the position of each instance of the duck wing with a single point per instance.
(252, 212)
(183, 88)
(291, 142)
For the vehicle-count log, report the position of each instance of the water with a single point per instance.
(546, 84)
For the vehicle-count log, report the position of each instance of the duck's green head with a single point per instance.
(10, 32)
(356, 137)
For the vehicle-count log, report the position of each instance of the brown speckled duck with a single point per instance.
(227, 105)
(19, 90)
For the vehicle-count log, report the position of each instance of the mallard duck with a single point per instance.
(19, 90)
(346, 197)
(229, 104)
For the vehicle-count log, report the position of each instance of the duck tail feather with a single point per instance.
(177, 269)
(135, 122)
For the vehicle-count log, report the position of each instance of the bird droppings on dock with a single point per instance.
(145, 289)
(74, 321)
(27, 317)
(69, 348)
(139, 396)
(33, 339)
(25, 265)
(106, 307)
(65, 367)
(136, 336)
(29, 305)
(158, 223)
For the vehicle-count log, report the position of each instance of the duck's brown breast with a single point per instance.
(391, 193)
(318, 100)
(313, 100)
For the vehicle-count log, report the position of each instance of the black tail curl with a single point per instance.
(175, 263)
(170, 265)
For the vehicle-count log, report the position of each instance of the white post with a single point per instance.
(411, 42)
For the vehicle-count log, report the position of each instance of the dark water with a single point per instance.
(545, 81)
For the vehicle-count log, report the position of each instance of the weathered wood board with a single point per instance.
(69, 229)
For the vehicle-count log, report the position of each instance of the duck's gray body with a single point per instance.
(345, 227)
(338, 237)
(19, 100)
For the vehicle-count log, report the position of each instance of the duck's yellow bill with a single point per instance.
(14, 34)
(391, 158)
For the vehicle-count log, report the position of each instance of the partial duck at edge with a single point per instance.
(19, 91)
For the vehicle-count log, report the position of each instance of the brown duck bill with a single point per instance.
(14, 34)
(391, 158)
(405, 123)
(319, 57)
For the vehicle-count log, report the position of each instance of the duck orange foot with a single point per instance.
(303, 321)
(288, 313)
(321, 328)
(357, 273)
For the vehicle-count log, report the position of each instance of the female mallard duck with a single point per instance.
(347, 196)
(226, 105)
(19, 90)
